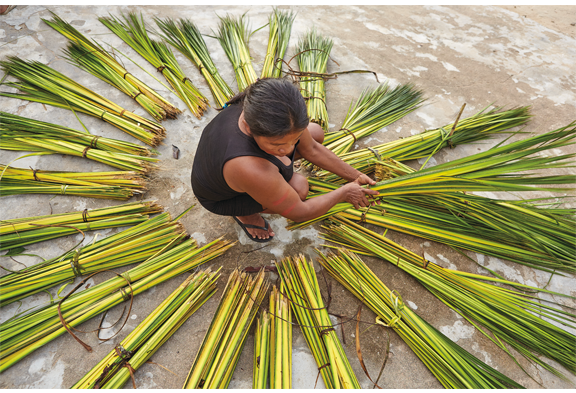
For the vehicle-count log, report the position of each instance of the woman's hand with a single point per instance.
(364, 179)
(357, 195)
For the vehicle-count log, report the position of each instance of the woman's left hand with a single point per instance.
(364, 179)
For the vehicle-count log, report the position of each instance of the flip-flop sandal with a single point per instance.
(254, 239)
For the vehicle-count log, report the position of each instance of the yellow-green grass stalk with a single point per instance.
(513, 317)
(302, 289)
(234, 35)
(112, 371)
(22, 335)
(186, 37)
(313, 52)
(280, 25)
(480, 126)
(280, 340)
(132, 245)
(132, 31)
(510, 167)
(453, 366)
(220, 350)
(108, 185)
(262, 345)
(93, 58)
(43, 84)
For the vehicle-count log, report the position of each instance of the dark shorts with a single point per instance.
(242, 205)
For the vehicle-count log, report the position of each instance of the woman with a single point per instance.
(243, 163)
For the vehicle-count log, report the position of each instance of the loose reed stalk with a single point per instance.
(280, 341)
(93, 58)
(280, 24)
(112, 371)
(453, 366)
(262, 344)
(187, 39)
(299, 279)
(22, 335)
(220, 350)
(43, 84)
(511, 316)
(234, 34)
(313, 52)
(133, 32)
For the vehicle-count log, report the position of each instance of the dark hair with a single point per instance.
(273, 107)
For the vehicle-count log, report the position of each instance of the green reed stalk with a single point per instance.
(280, 340)
(280, 23)
(262, 344)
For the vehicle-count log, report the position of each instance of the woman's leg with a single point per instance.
(317, 134)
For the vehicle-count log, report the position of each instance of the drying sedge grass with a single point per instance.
(280, 341)
(262, 344)
(511, 316)
(301, 284)
(187, 39)
(502, 168)
(220, 350)
(22, 335)
(234, 34)
(93, 58)
(480, 126)
(112, 372)
(108, 185)
(23, 231)
(43, 84)
(22, 134)
(280, 24)
(313, 52)
(133, 32)
(453, 366)
(132, 245)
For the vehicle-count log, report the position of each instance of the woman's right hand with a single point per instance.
(357, 195)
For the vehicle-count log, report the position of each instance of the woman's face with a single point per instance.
(279, 146)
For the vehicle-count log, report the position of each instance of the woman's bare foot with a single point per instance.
(258, 220)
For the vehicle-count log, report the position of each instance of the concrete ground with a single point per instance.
(510, 56)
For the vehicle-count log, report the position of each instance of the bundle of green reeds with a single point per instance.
(132, 245)
(20, 133)
(262, 343)
(187, 39)
(93, 58)
(23, 231)
(480, 126)
(22, 335)
(280, 24)
(299, 279)
(108, 185)
(115, 369)
(220, 350)
(452, 365)
(234, 34)
(513, 317)
(133, 32)
(280, 340)
(313, 52)
(503, 168)
(40, 83)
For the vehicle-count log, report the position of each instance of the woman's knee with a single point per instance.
(300, 184)
(316, 132)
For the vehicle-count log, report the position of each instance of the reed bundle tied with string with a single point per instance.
(453, 366)
(20, 232)
(186, 37)
(511, 312)
(280, 24)
(119, 365)
(480, 126)
(23, 134)
(313, 52)
(132, 245)
(93, 58)
(133, 32)
(302, 289)
(41, 83)
(234, 35)
(108, 185)
(220, 350)
(23, 334)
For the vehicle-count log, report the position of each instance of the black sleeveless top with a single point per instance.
(222, 140)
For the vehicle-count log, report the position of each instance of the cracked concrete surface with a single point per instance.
(510, 56)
